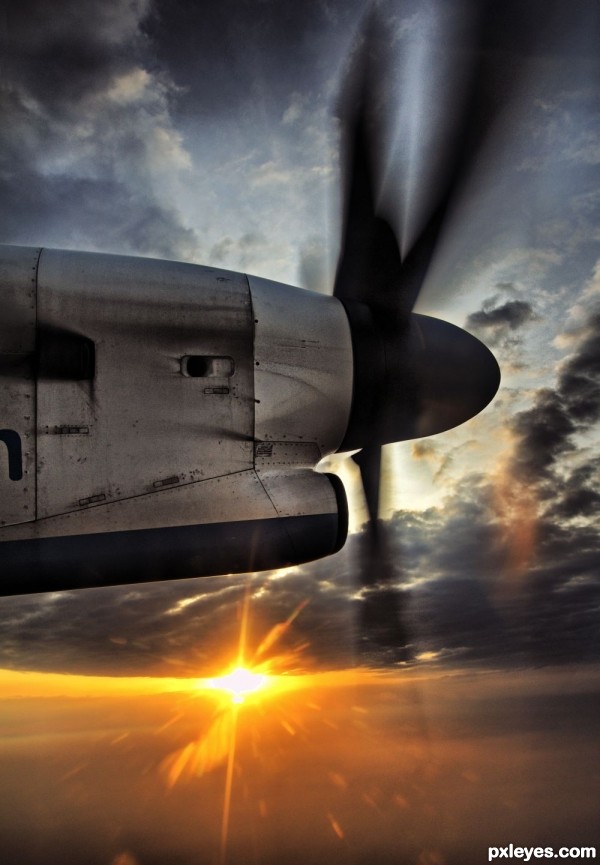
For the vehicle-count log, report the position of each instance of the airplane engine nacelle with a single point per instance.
(163, 420)
(308, 519)
(303, 366)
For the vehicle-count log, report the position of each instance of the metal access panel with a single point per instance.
(147, 383)
(304, 368)
(17, 385)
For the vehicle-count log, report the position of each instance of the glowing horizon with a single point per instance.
(239, 683)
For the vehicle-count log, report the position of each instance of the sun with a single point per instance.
(239, 683)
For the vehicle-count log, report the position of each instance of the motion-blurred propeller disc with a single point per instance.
(414, 375)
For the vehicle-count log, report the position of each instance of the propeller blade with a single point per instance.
(381, 629)
(375, 266)
(382, 637)
(369, 262)
(369, 462)
(413, 375)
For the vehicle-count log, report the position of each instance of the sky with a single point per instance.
(210, 132)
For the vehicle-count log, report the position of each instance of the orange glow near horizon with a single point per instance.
(341, 764)
(21, 684)
(229, 719)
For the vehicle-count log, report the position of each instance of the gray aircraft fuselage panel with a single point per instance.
(141, 423)
(141, 395)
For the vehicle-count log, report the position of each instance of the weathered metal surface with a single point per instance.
(18, 267)
(302, 365)
(17, 440)
(240, 496)
(137, 379)
(147, 420)
(299, 492)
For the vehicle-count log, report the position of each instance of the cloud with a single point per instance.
(312, 268)
(579, 379)
(295, 109)
(498, 324)
(469, 599)
(512, 315)
(90, 155)
(270, 174)
(543, 434)
(576, 501)
(546, 430)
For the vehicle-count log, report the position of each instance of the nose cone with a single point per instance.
(415, 378)
(443, 376)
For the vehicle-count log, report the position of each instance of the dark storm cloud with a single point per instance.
(579, 380)
(67, 116)
(86, 141)
(512, 315)
(63, 51)
(577, 502)
(502, 324)
(470, 600)
(576, 495)
(546, 431)
(543, 434)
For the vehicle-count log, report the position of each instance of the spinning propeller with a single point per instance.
(414, 375)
